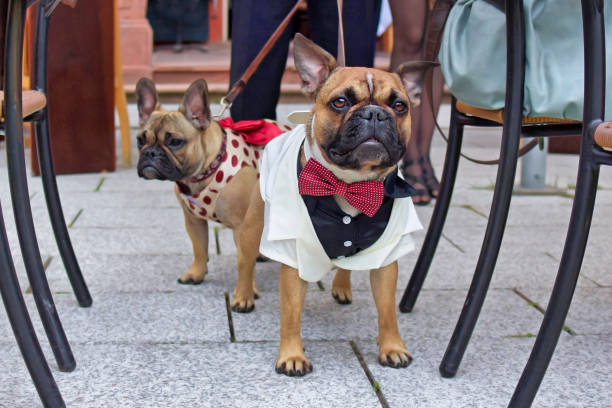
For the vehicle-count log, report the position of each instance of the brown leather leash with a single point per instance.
(432, 43)
(238, 86)
(341, 60)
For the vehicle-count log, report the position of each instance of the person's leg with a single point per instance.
(409, 17)
(408, 26)
(360, 18)
(253, 22)
(427, 128)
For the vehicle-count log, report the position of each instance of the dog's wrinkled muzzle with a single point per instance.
(154, 164)
(369, 134)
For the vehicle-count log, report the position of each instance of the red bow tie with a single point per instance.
(316, 180)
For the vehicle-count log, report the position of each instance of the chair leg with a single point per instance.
(582, 209)
(486, 260)
(22, 327)
(19, 189)
(515, 71)
(438, 217)
(565, 283)
(47, 171)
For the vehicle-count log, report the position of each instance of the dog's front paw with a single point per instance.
(193, 276)
(243, 304)
(394, 356)
(344, 296)
(295, 366)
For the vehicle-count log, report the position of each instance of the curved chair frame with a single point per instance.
(9, 286)
(591, 158)
(513, 130)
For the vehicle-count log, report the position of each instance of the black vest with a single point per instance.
(342, 235)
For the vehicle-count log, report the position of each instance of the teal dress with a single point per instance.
(473, 56)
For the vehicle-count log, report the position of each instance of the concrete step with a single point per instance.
(173, 72)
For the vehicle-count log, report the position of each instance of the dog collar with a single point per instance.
(215, 163)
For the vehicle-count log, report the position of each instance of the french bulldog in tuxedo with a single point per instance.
(333, 198)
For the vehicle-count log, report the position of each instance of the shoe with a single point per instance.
(429, 177)
(421, 195)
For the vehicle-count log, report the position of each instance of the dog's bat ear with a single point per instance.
(147, 99)
(313, 63)
(195, 104)
(413, 77)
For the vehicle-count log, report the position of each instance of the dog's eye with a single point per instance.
(399, 106)
(339, 103)
(175, 142)
(141, 140)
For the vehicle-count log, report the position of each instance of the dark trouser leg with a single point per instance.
(252, 24)
(360, 19)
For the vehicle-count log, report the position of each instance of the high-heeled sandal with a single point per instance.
(429, 177)
(415, 181)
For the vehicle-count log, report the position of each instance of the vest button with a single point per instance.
(346, 219)
(347, 243)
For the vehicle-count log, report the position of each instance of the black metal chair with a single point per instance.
(514, 126)
(31, 106)
(596, 136)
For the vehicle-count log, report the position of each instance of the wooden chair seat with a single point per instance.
(497, 115)
(32, 102)
(603, 135)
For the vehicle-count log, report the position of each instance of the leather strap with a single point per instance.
(341, 60)
(435, 29)
(52, 4)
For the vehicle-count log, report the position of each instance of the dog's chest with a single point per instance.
(238, 154)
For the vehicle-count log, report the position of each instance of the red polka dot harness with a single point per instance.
(238, 154)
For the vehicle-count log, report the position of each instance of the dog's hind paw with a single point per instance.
(191, 278)
(343, 296)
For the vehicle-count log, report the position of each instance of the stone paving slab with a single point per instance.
(504, 314)
(136, 318)
(196, 375)
(120, 200)
(129, 241)
(127, 180)
(577, 376)
(590, 311)
(169, 219)
(150, 273)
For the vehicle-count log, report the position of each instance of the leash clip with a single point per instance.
(225, 105)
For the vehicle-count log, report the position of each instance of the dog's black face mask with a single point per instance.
(370, 134)
(154, 163)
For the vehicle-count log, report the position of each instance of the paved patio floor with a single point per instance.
(150, 342)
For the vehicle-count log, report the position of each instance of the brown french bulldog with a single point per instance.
(358, 130)
(215, 173)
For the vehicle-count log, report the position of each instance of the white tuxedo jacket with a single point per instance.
(289, 236)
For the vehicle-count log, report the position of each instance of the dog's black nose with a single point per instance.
(152, 152)
(373, 113)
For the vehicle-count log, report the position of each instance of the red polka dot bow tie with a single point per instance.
(316, 180)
